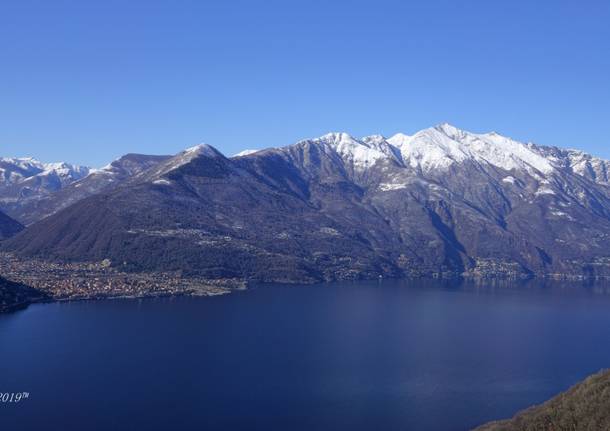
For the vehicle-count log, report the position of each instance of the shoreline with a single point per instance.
(31, 281)
(25, 304)
(197, 287)
(46, 281)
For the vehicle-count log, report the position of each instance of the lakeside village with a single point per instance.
(76, 281)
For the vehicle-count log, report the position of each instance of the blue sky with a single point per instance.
(87, 81)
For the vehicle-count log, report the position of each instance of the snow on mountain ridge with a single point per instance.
(17, 169)
(507, 153)
(180, 159)
(438, 147)
(245, 153)
(361, 153)
(441, 146)
(64, 169)
(202, 150)
(429, 149)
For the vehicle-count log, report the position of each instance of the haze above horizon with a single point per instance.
(86, 83)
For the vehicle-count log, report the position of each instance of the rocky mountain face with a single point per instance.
(441, 202)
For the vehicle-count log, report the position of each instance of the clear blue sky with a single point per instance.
(87, 81)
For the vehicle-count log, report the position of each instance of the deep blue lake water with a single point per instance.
(395, 355)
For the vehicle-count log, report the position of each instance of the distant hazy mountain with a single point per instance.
(23, 180)
(440, 202)
(29, 198)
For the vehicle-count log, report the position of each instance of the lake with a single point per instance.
(390, 355)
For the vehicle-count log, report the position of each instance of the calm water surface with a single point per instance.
(395, 355)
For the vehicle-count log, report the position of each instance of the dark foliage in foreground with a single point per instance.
(584, 407)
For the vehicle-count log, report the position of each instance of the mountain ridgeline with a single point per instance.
(442, 202)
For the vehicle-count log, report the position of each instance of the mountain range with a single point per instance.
(440, 202)
(26, 180)
(31, 190)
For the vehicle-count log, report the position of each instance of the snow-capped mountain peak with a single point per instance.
(20, 169)
(399, 139)
(15, 169)
(359, 153)
(441, 146)
(450, 130)
(430, 148)
(183, 158)
(66, 170)
(437, 148)
(202, 150)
